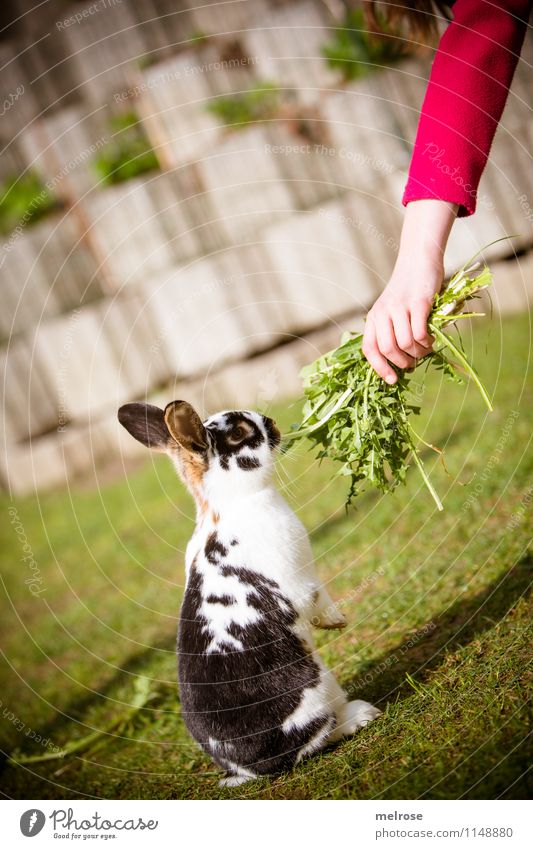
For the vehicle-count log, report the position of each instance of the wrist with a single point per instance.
(425, 232)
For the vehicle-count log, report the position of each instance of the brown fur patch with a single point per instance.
(193, 467)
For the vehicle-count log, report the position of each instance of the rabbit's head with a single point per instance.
(228, 456)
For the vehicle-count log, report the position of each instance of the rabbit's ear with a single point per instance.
(146, 423)
(185, 426)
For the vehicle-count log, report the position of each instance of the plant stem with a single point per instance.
(427, 481)
(370, 372)
(448, 343)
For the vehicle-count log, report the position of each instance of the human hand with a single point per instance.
(396, 327)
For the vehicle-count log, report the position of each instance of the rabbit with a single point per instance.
(254, 692)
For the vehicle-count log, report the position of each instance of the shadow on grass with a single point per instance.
(167, 697)
(384, 678)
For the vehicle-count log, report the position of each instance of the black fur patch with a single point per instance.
(273, 434)
(241, 697)
(221, 437)
(226, 600)
(248, 576)
(214, 550)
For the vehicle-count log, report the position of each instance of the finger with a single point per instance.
(404, 336)
(388, 345)
(371, 352)
(419, 323)
(403, 333)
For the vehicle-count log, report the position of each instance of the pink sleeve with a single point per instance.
(467, 90)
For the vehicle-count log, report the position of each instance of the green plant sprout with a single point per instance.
(355, 52)
(127, 155)
(24, 199)
(246, 107)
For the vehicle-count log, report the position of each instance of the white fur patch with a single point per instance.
(221, 617)
(312, 704)
(239, 770)
(318, 741)
(235, 780)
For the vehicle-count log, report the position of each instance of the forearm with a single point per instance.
(396, 328)
(469, 83)
(425, 232)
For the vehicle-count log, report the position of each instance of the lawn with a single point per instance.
(439, 632)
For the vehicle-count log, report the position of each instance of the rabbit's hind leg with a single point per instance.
(235, 774)
(232, 780)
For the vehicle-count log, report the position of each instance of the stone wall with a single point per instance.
(191, 277)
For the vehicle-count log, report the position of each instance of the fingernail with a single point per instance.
(390, 379)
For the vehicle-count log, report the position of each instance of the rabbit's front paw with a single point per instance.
(330, 621)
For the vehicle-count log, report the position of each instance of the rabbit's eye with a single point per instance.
(237, 433)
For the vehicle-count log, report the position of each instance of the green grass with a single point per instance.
(438, 635)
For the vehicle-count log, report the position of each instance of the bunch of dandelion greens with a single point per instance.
(363, 423)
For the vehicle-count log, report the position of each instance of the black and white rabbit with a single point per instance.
(254, 691)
